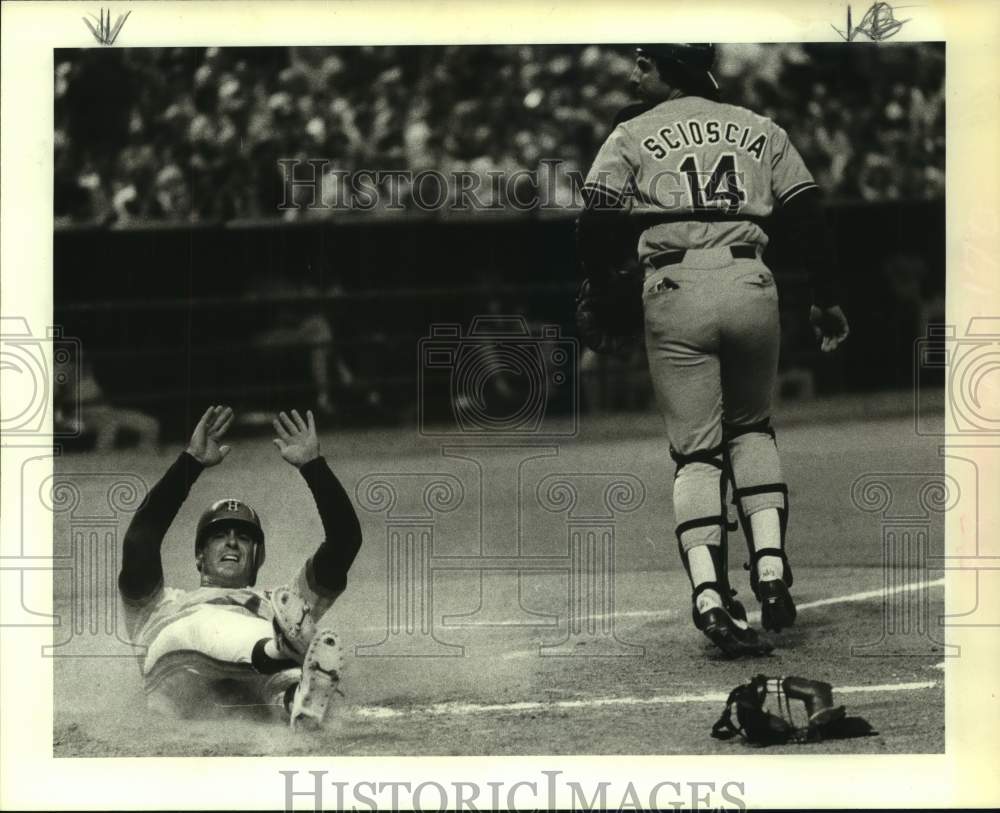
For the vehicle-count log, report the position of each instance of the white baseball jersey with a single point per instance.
(145, 620)
(208, 631)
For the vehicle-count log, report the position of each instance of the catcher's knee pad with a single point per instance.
(757, 485)
(755, 467)
(699, 497)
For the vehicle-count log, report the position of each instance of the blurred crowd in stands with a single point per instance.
(195, 134)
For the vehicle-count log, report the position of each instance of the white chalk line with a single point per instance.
(870, 594)
(867, 595)
(753, 615)
(463, 709)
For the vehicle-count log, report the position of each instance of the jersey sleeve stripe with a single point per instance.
(792, 191)
(604, 189)
(598, 195)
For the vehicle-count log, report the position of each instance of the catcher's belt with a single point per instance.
(740, 251)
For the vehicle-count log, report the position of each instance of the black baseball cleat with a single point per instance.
(777, 610)
(732, 605)
(735, 638)
(735, 607)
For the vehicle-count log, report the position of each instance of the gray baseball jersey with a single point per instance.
(702, 172)
(699, 176)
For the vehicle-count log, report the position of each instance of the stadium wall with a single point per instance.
(167, 314)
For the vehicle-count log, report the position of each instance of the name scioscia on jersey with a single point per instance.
(695, 133)
(705, 171)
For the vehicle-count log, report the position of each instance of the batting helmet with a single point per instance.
(232, 512)
(688, 65)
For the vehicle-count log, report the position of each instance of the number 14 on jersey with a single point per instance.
(722, 187)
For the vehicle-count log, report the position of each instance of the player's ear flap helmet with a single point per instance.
(686, 65)
(230, 512)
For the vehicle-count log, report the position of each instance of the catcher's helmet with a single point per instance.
(685, 64)
(233, 512)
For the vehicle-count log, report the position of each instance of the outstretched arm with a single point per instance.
(326, 571)
(142, 568)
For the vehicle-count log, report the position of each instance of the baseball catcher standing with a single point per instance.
(225, 642)
(687, 181)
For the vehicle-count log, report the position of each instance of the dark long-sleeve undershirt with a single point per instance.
(605, 239)
(142, 567)
(806, 232)
(327, 570)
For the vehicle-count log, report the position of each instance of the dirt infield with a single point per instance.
(578, 655)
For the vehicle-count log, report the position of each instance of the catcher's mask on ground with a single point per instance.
(682, 66)
(763, 711)
(232, 519)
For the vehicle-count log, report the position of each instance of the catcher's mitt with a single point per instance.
(758, 726)
(609, 317)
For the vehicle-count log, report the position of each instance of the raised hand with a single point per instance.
(296, 439)
(204, 446)
(829, 326)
